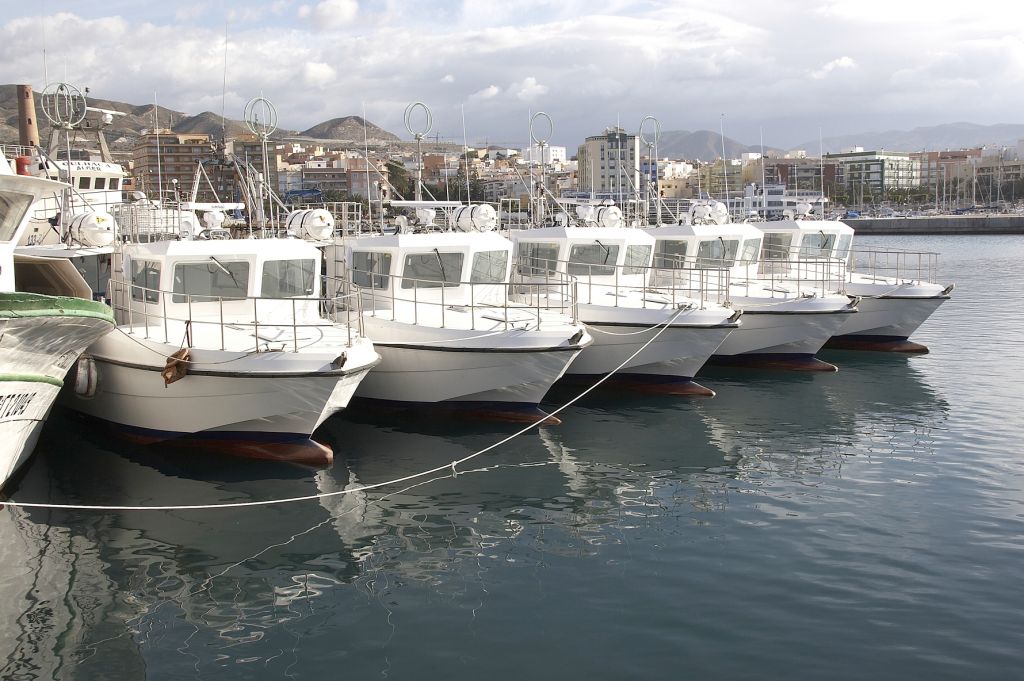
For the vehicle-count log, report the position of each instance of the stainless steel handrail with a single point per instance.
(345, 310)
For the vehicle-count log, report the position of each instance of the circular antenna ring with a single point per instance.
(260, 117)
(63, 105)
(657, 131)
(543, 139)
(428, 122)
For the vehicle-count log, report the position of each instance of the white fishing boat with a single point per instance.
(785, 321)
(436, 305)
(224, 344)
(612, 265)
(897, 290)
(41, 335)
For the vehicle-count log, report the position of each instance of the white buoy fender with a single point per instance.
(479, 218)
(311, 223)
(95, 228)
(87, 377)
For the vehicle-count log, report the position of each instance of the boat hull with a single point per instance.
(781, 339)
(679, 345)
(886, 324)
(259, 405)
(40, 339)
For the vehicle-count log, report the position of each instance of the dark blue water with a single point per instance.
(864, 524)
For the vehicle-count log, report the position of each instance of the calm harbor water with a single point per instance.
(864, 524)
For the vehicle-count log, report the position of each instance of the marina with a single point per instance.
(785, 526)
(543, 375)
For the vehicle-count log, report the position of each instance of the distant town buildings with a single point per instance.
(607, 166)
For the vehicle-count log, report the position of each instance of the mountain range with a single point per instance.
(698, 144)
(123, 132)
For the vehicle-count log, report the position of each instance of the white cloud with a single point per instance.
(529, 89)
(586, 62)
(318, 74)
(840, 63)
(330, 14)
(489, 92)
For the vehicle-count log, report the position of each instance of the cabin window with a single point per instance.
(489, 267)
(776, 246)
(638, 258)
(146, 280)
(114, 181)
(537, 259)
(670, 254)
(717, 252)
(288, 278)
(751, 247)
(843, 249)
(13, 207)
(817, 245)
(593, 260)
(101, 183)
(213, 278)
(83, 183)
(370, 270)
(432, 270)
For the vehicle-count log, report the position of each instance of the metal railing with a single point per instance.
(144, 222)
(891, 263)
(139, 310)
(779, 275)
(480, 299)
(656, 286)
(796, 267)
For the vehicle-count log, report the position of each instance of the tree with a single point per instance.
(398, 176)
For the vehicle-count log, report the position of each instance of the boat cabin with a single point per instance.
(805, 240)
(600, 255)
(265, 280)
(461, 268)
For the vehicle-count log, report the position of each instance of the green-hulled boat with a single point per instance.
(41, 336)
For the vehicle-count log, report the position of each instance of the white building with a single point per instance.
(550, 155)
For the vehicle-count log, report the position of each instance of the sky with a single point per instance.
(788, 68)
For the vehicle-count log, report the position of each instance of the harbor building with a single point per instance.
(609, 164)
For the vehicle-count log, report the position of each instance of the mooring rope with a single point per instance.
(452, 465)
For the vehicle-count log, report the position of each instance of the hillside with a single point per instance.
(701, 144)
(929, 138)
(125, 130)
(349, 129)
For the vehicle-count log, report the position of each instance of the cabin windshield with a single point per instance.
(489, 267)
(146, 276)
(717, 252)
(12, 209)
(843, 249)
(370, 269)
(212, 278)
(593, 260)
(637, 259)
(817, 245)
(751, 247)
(288, 278)
(776, 246)
(432, 270)
(670, 253)
(537, 258)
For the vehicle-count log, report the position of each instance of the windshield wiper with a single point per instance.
(440, 263)
(225, 270)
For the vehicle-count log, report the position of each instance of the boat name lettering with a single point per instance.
(15, 404)
(66, 360)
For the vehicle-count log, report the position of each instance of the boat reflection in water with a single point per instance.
(301, 587)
